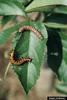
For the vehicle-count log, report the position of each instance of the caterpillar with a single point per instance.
(35, 31)
(19, 61)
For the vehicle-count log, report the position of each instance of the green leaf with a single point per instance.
(21, 1)
(5, 34)
(62, 87)
(27, 44)
(56, 18)
(11, 8)
(37, 5)
(61, 9)
(6, 19)
(63, 67)
(54, 50)
(55, 25)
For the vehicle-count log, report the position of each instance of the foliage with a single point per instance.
(31, 46)
(53, 29)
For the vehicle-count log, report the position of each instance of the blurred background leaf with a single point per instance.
(63, 67)
(56, 20)
(40, 5)
(5, 34)
(5, 19)
(61, 9)
(54, 50)
(11, 8)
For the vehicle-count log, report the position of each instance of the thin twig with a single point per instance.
(7, 70)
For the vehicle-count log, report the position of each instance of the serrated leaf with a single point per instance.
(28, 45)
(37, 5)
(11, 8)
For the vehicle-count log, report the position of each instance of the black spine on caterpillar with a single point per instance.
(34, 30)
(54, 50)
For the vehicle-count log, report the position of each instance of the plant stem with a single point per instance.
(7, 70)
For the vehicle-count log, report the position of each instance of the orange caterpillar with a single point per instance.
(30, 28)
(19, 61)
